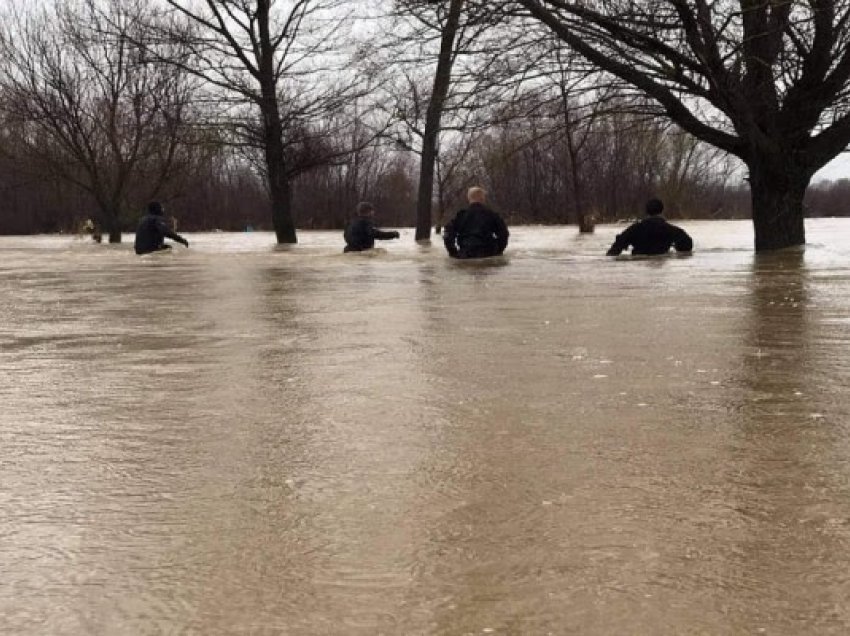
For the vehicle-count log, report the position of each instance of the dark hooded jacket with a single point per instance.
(650, 236)
(475, 232)
(152, 232)
(360, 234)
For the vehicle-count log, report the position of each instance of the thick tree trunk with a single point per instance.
(585, 220)
(441, 200)
(112, 225)
(586, 223)
(280, 192)
(280, 189)
(426, 184)
(777, 190)
(433, 118)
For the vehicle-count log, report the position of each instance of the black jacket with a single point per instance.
(361, 234)
(476, 232)
(152, 232)
(652, 235)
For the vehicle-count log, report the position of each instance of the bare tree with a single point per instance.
(526, 157)
(768, 82)
(461, 42)
(89, 108)
(580, 103)
(452, 180)
(270, 56)
(433, 116)
(690, 169)
(569, 100)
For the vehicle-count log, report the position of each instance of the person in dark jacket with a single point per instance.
(476, 231)
(361, 233)
(652, 235)
(153, 230)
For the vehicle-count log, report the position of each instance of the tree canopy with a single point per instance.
(767, 81)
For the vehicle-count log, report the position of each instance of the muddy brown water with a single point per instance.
(238, 438)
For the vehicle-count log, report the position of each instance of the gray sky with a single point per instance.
(838, 168)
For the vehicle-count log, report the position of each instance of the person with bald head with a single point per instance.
(476, 231)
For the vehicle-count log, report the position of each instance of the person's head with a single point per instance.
(364, 208)
(654, 207)
(155, 207)
(476, 194)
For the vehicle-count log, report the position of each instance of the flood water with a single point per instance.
(238, 438)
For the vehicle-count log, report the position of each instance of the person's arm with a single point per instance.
(168, 233)
(621, 242)
(502, 234)
(381, 235)
(682, 241)
(450, 237)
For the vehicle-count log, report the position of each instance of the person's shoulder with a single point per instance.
(672, 225)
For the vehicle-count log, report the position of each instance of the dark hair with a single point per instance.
(654, 206)
(154, 207)
(364, 207)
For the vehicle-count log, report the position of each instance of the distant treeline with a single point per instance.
(526, 185)
(94, 128)
(285, 115)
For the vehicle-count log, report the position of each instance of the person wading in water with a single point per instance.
(153, 230)
(476, 231)
(652, 235)
(361, 233)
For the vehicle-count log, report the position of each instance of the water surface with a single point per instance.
(238, 438)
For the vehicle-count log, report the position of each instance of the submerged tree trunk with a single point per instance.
(433, 118)
(777, 193)
(585, 220)
(586, 223)
(280, 190)
(110, 224)
(441, 198)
